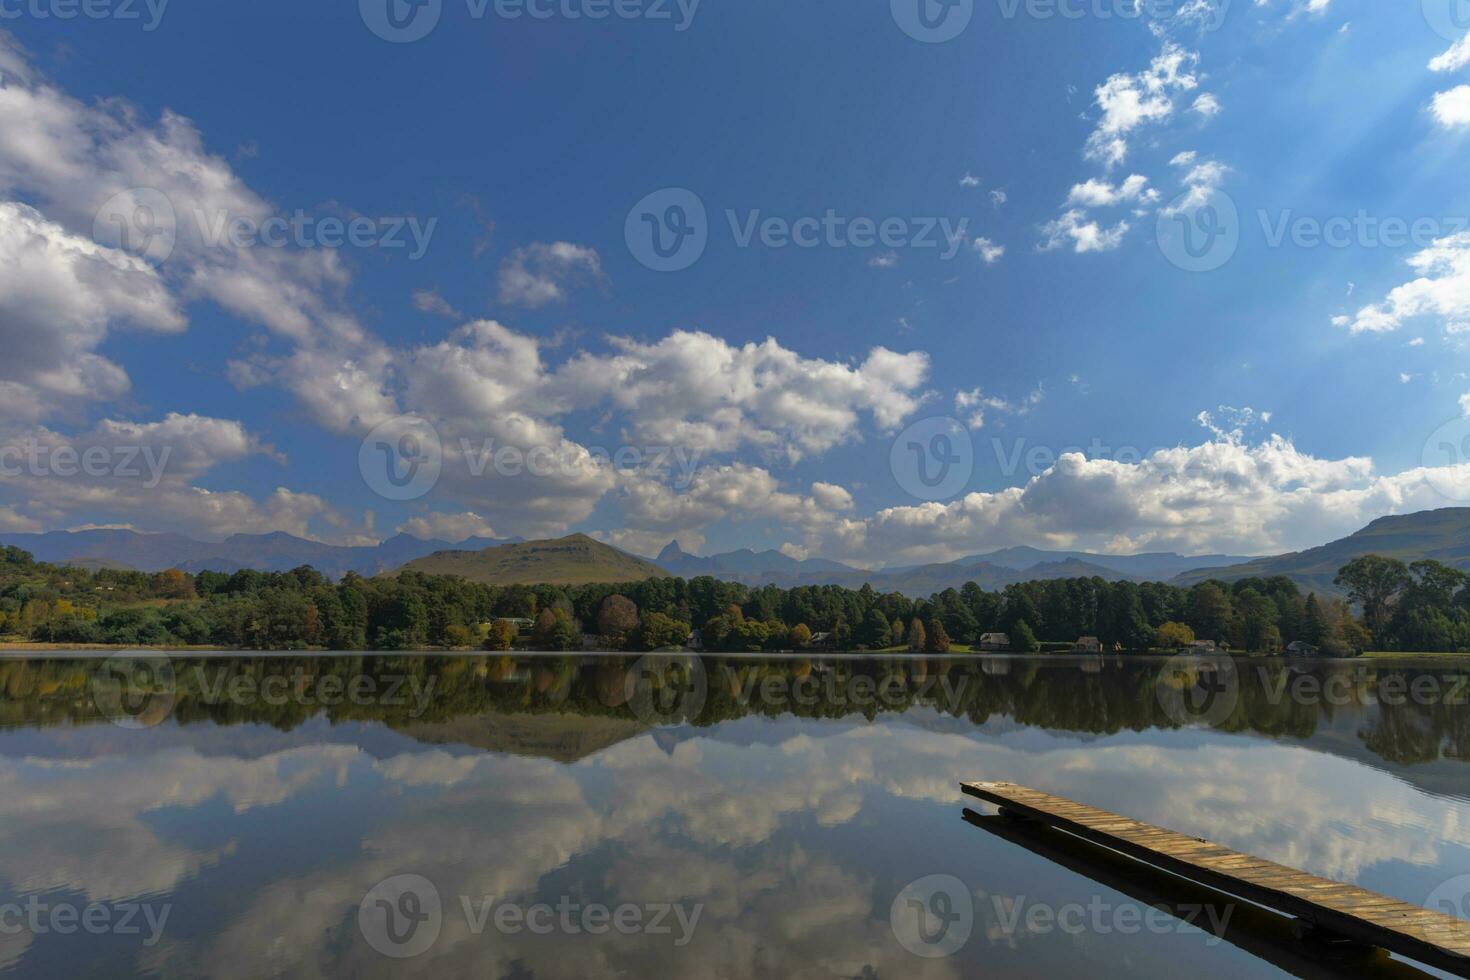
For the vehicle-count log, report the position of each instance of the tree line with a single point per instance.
(1423, 606)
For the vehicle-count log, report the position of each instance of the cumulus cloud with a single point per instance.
(448, 527)
(1085, 235)
(543, 273)
(60, 295)
(1096, 193)
(990, 253)
(1441, 289)
(1226, 494)
(1452, 109)
(1129, 101)
(124, 473)
(1457, 57)
(696, 390)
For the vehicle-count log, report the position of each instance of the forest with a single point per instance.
(1421, 606)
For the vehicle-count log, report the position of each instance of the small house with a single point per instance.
(1201, 646)
(821, 641)
(1087, 644)
(1301, 648)
(995, 641)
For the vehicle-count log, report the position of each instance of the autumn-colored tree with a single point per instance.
(501, 635)
(938, 639)
(917, 639)
(616, 618)
(1172, 636)
(801, 636)
(173, 584)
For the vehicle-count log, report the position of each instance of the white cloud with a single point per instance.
(1223, 495)
(884, 260)
(831, 496)
(1084, 235)
(1097, 193)
(1452, 108)
(1206, 105)
(447, 527)
(990, 253)
(1442, 290)
(543, 273)
(997, 198)
(429, 301)
(975, 402)
(60, 296)
(696, 390)
(1129, 101)
(969, 180)
(1457, 57)
(1465, 404)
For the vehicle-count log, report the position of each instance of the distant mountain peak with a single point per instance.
(672, 552)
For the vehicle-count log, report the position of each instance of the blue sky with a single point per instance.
(1058, 146)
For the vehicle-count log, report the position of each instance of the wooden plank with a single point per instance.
(1354, 913)
(1259, 931)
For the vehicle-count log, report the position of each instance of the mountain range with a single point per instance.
(1443, 535)
(993, 570)
(1440, 534)
(274, 552)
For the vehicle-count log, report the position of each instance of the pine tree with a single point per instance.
(1314, 625)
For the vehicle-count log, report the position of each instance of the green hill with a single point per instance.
(1443, 535)
(573, 560)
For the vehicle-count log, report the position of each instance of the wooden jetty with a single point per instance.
(1329, 908)
(1259, 931)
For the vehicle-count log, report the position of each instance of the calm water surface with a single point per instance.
(490, 816)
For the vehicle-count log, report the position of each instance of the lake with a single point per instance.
(598, 815)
